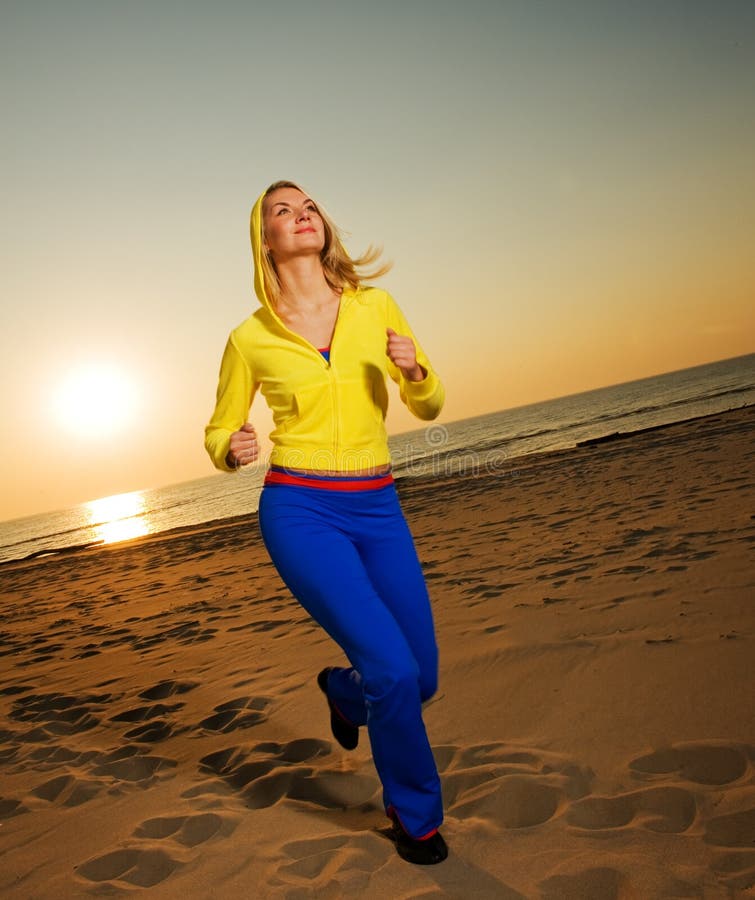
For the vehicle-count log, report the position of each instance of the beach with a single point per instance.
(161, 728)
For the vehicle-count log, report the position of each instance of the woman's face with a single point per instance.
(292, 225)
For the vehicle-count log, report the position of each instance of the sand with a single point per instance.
(161, 729)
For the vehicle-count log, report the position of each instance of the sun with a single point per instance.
(95, 400)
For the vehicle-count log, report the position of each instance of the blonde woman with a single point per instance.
(320, 350)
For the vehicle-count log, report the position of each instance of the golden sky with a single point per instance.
(566, 190)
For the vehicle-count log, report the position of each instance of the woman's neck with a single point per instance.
(303, 283)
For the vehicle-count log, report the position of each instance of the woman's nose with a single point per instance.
(303, 215)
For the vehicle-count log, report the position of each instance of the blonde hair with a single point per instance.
(339, 268)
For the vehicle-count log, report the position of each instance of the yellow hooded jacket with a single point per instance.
(328, 415)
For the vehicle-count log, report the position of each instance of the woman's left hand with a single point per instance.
(402, 353)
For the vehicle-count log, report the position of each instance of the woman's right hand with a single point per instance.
(244, 448)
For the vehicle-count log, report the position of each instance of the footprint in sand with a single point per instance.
(152, 732)
(243, 712)
(669, 810)
(340, 865)
(91, 772)
(190, 831)
(10, 807)
(68, 790)
(484, 591)
(155, 722)
(143, 713)
(269, 772)
(164, 689)
(264, 625)
(8, 753)
(734, 830)
(189, 632)
(129, 766)
(57, 714)
(13, 689)
(510, 786)
(39, 650)
(702, 763)
(131, 867)
(51, 757)
(512, 801)
(142, 864)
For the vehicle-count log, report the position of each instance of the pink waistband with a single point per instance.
(329, 483)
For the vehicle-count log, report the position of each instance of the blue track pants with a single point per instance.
(348, 557)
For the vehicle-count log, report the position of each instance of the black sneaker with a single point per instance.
(427, 851)
(344, 732)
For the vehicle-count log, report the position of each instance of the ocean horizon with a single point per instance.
(483, 443)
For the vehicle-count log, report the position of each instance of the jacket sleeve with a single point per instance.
(236, 390)
(424, 398)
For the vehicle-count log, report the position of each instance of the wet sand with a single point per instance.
(161, 729)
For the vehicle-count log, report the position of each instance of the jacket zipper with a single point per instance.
(336, 435)
(334, 387)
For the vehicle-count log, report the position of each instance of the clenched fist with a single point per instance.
(244, 448)
(402, 353)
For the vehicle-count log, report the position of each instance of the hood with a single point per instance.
(255, 230)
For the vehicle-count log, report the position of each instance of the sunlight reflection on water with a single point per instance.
(118, 518)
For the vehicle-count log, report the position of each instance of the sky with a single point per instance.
(566, 190)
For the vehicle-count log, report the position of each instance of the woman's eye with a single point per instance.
(281, 211)
(311, 208)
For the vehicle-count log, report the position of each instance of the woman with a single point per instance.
(319, 350)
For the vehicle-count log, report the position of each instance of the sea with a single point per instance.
(486, 443)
